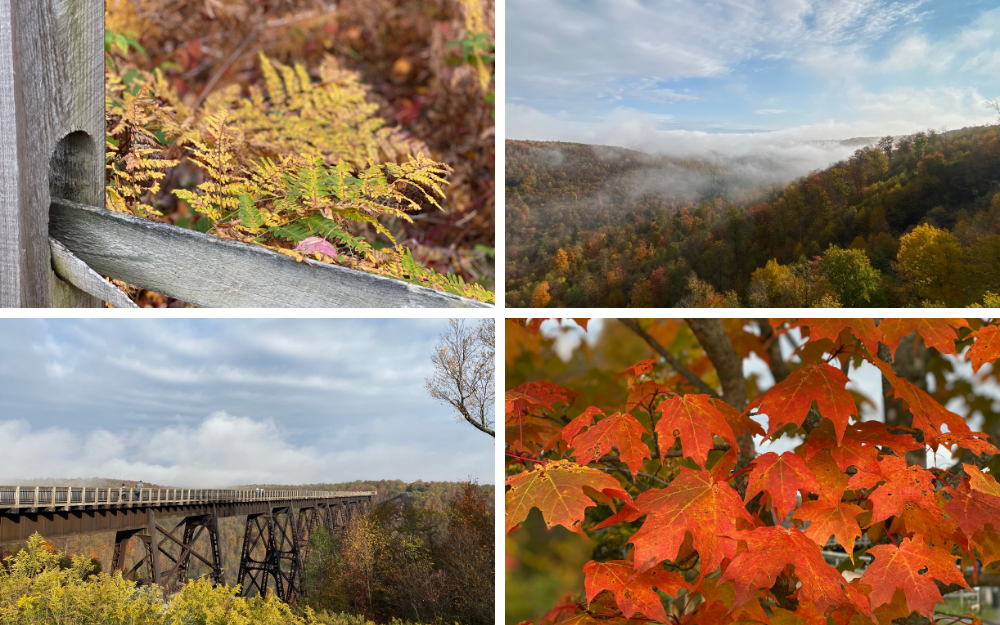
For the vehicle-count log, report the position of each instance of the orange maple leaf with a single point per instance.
(864, 330)
(693, 419)
(633, 590)
(912, 566)
(619, 430)
(782, 477)
(831, 518)
(986, 347)
(693, 503)
(557, 490)
(937, 333)
(770, 549)
(789, 400)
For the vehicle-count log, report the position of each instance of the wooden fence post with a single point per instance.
(51, 137)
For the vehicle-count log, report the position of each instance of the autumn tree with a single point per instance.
(851, 276)
(560, 262)
(464, 372)
(832, 519)
(930, 262)
(540, 297)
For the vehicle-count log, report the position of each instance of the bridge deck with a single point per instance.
(59, 511)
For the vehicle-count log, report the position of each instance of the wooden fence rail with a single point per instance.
(57, 242)
(13, 498)
(209, 271)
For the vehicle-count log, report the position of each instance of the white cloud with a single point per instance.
(321, 389)
(596, 43)
(770, 111)
(975, 48)
(908, 54)
(791, 151)
(222, 450)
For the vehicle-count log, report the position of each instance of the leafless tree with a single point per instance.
(994, 104)
(464, 372)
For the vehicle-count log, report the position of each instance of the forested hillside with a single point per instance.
(910, 221)
(395, 561)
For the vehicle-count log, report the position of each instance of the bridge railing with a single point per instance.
(67, 497)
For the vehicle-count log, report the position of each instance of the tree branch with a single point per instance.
(712, 336)
(697, 382)
(779, 368)
(728, 364)
(468, 417)
(668, 454)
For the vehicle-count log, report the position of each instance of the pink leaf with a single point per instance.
(316, 244)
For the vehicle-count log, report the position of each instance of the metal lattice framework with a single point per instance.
(275, 543)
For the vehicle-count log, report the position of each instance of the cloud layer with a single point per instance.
(222, 402)
(745, 77)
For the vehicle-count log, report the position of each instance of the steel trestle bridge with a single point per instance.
(278, 521)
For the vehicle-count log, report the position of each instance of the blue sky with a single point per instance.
(743, 76)
(213, 402)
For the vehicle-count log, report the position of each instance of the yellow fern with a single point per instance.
(293, 160)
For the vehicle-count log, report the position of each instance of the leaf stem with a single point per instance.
(522, 458)
(742, 471)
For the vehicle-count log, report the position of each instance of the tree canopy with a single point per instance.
(596, 226)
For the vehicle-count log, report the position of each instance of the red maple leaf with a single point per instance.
(789, 401)
(976, 442)
(971, 513)
(928, 414)
(693, 419)
(619, 430)
(633, 590)
(769, 550)
(640, 368)
(937, 333)
(830, 477)
(782, 477)
(912, 566)
(516, 401)
(584, 419)
(547, 392)
(986, 348)
(860, 445)
(693, 503)
(831, 518)
(981, 482)
(557, 490)
(902, 485)
(864, 330)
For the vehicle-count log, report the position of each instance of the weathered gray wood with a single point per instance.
(76, 272)
(208, 271)
(51, 94)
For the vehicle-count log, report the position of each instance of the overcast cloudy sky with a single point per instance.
(742, 76)
(214, 403)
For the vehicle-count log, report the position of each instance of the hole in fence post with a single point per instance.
(74, 175)
(71, 168)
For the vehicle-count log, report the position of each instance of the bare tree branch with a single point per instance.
(464, 372)
(698, 383)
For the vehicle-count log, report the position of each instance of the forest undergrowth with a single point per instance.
(359, 134)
